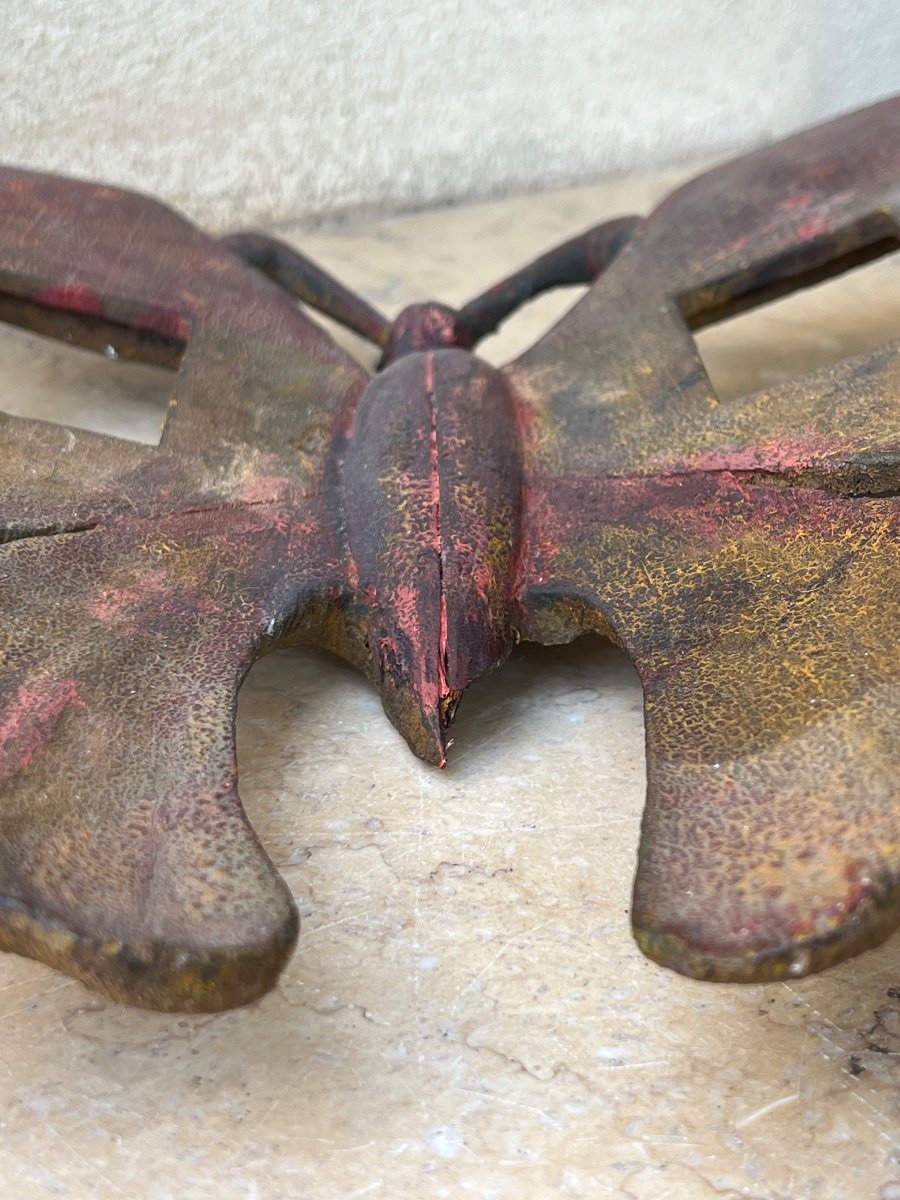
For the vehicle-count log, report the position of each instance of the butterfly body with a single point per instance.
(431, 478)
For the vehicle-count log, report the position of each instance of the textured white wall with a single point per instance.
(260, 109)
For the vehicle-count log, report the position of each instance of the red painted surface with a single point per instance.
(28, 719)
(72, 298)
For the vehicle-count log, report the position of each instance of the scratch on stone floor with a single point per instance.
(518, 935)
(497, 1099)
(765, 1109)
(76, 1153)
(855, 1092)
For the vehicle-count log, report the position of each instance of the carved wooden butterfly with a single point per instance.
(746, 554)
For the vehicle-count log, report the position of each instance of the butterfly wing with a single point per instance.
(257, 387)
(745, 554)
(139, 584)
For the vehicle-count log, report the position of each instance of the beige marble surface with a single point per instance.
(466, 1014)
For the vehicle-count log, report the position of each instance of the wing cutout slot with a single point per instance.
(87, 372)
(816, 305)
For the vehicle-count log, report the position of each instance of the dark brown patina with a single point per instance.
(745, 553)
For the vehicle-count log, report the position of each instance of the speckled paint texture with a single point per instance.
(744, 553)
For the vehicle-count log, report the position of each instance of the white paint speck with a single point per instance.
(445, 1140)
(800, 964)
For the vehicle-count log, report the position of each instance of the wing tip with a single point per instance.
(162, 975)
(690, 953)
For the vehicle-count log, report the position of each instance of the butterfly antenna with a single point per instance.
(578, 261)
(299, 276)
